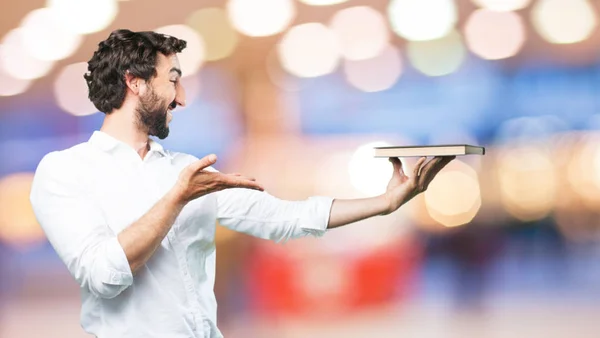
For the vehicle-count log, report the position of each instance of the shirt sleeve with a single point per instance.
(262, 215)
(77, 229)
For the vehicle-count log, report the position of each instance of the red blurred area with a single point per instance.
(277, 280)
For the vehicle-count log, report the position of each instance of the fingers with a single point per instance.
(242, 182)
(204, 162)
(418, 166)
(240, 175)
(435, 162)
(432, 168)
(398, 169)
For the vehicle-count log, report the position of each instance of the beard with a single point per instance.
(152, 115)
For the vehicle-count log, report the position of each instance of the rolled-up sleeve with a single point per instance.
(262, 215)
(77, 230)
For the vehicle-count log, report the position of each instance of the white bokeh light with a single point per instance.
(421, 20)
(322, 2)
(375, 74)
(9, 85)
(46, 38)
(17, 62)
(309, 50)
(437, 57)
(502, 5)
(368, 174)
(192, 57)
(564, 21)
(71, 91)
(261, 17)
(494, 35)
(360, 41)
(85, 16)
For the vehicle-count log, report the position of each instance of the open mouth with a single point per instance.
(170, 110)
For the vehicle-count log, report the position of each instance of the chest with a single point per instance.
(126, 192)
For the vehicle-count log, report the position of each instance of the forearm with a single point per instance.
(346, 211)
(142, 238)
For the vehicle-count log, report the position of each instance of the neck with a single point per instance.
(121, 124)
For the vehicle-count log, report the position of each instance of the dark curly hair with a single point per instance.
(124, 51)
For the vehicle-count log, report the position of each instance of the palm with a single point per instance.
(403, 188)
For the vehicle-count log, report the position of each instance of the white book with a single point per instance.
(429, 150)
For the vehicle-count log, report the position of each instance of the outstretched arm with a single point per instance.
(400, 190)
(263, 215)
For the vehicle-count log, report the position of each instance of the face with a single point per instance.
(160, 96)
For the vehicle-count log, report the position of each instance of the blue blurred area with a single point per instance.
(478, 98)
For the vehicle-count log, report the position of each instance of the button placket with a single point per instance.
(187, 280)
(179, 250)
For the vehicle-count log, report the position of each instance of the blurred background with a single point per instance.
(297, 93)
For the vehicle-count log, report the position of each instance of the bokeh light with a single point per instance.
(192, 57)
(375, 74)
(528, 181)
(261, 17)
(280, 77)
(212, 24)
(564, 21)
(453, 198)
(370, 175)
(421, 20)
(583, 174)
(17, 62)
(437, 57)
(10, 85)
(360, 41)
(71, 91)
(502, 5)
(494, 35)
(309, 50)
(18, 225)
(85, 17)
(46, 38)
(322, 2)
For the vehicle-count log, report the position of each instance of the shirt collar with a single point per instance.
(157, 147)
(110, 144)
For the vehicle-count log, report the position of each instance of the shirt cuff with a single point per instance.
(319, 209)
(117, 270)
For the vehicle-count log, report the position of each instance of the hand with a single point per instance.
(402, 188)
(194, 181)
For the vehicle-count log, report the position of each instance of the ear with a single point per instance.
(133, 83)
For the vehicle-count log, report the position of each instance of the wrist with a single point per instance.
(384, 205)
(176, 196)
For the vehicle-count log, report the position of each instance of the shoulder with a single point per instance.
(65, 162)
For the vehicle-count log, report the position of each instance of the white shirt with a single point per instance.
(84, 196)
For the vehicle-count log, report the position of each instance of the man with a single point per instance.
(134, 223)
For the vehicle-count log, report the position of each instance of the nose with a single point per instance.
(180, 95)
